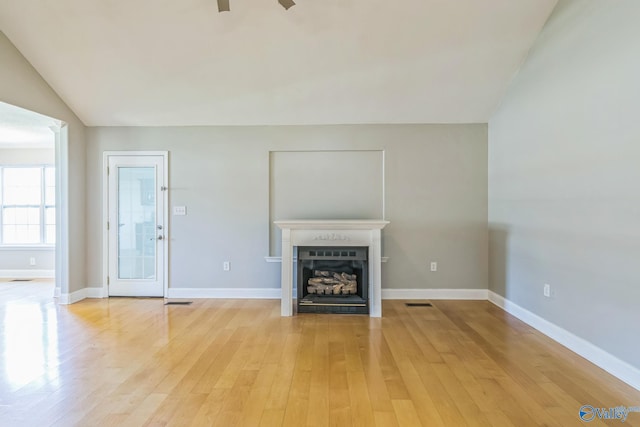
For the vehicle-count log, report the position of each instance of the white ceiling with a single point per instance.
(20, 128)
(180, 62)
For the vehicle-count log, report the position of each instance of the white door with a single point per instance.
(136, 240)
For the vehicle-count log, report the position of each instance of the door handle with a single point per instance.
(160, 237)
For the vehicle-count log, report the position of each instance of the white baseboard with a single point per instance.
(241, 293)
(79, 295)
(463, 294)
(274, 293)
(72, 297)
(616, 367)
(96, 292)
(27, 274)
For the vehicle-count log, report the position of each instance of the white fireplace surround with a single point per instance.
(332, 233)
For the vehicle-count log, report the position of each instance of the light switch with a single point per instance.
(179, 210)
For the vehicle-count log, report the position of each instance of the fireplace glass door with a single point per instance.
(333, 280)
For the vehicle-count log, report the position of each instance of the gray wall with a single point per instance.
(564, 168)
(18, 259)
(435, 195)
(21, 85)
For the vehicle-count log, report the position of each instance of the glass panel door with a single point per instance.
(136, 225)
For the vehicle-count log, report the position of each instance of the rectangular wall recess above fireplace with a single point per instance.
(333, 279)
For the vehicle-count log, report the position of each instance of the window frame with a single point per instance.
(42, 207)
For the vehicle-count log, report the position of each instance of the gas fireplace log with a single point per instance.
(344, 277)
(322, 286)
(320, 289)
(323, 281)
(340, 276)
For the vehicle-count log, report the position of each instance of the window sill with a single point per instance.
(27, 247)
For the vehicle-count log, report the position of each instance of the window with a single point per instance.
(27, 201)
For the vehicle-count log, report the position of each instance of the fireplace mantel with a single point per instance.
(332, 233)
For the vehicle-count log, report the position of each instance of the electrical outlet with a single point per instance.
(547, 290)
(434, 266)
(226, 266)
(32, 260)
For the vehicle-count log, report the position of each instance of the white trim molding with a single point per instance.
(278, 259)
(29, 248)
(62, 251)
(594, 354)
(460, 294)
(84, 293)
(240, 293)
(73, 297)
(274, 293)
(27, 274)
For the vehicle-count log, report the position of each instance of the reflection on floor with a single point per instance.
(34, 290)
(28, 336)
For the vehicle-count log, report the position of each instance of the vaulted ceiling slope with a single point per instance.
(181, 62)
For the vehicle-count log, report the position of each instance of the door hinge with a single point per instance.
(107, 225)
(107, 170)
(108, 280)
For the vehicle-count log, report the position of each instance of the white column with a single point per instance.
(62, 257)
(375, 259)
(286, 302)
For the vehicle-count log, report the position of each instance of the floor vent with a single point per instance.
(418, 304)
(22, 280)
(178, 303)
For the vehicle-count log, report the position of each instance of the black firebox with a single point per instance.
(333, 279)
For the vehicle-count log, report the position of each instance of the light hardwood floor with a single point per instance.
(138, 362)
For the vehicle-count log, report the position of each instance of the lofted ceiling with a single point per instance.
(181, 62)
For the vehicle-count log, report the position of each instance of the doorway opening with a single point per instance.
(33, 202)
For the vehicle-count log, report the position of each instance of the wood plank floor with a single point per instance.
(138, 362)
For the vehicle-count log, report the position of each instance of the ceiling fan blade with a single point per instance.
(223, 6)
(286, 3)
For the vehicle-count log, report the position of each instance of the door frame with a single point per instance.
(62, 257)
(105, 214)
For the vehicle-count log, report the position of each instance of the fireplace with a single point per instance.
(333, 279)
(341, 234)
